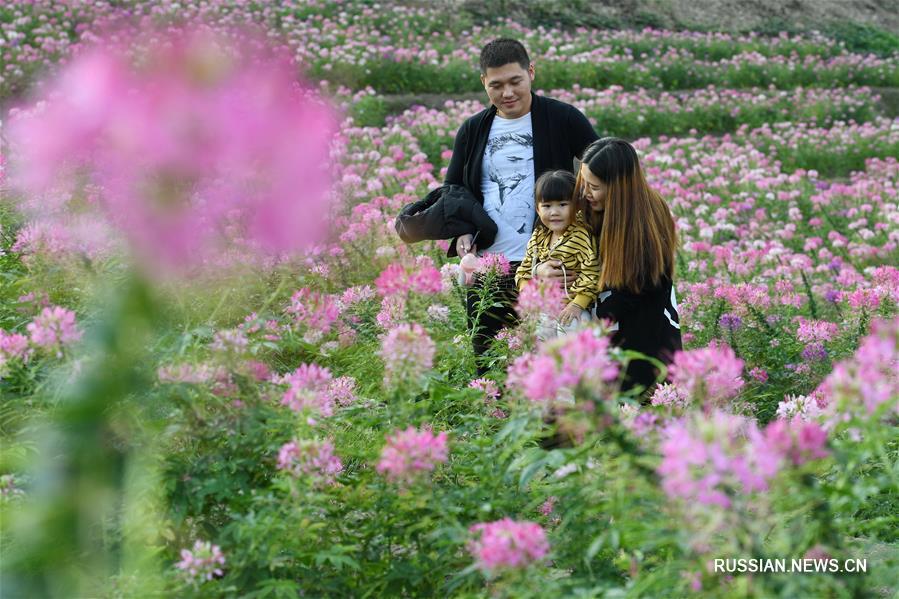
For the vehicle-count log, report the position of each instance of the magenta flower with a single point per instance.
(54, 328)
(487, 387)
(201, 147)
(578, 359)
(411, 452)
(202, 563)
(393, 310)
(711, 374)
(13, 346)
(812, 331)
(343, 390)
(310, 387)
(314, 459)
(419, 277)
(408, 354)
(870, 379)
(507, 544)
(670, 395)
(315, 312)
(718, 458)
(494, 262)
(540, 296)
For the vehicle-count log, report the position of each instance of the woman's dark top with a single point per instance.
(646, 322)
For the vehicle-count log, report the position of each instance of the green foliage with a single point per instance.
(863, 38)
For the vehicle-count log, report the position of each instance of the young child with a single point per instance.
(560, 233)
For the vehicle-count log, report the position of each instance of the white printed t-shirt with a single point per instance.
(508, 185)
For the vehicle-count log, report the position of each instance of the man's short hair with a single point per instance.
(501, 52)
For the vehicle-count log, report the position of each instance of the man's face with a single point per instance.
(509, 89)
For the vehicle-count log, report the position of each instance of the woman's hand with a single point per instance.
(551, 269)
(571, 312)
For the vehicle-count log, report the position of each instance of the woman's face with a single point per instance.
(595, 191)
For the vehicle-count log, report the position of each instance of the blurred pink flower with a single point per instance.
(487, 387)
(540, 296)
(309, 386)
(193, 136)
(201, 563)
(411, 452)
(399, 278)
(314, 459)
(670, 395)
(869, 380)
(316, 312)
(710, 374)
(577, 359)
(54, 328)
(408, 353)
(507, 544)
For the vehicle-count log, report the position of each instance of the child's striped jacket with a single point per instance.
(577, 251)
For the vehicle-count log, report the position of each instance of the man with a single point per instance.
(497, 155)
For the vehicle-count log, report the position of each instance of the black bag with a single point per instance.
(446, 213)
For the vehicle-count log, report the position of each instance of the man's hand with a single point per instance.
(464, 244)
(551, 269)
(570, 313)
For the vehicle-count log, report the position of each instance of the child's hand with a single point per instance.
(571, 312)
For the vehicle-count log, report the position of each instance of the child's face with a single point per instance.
(556, 215)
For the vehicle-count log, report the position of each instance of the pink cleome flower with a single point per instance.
(711, 374)
(314, 459)
(577, 359)
(507, 544)
(411, 452)
(540, 297)
(54, 328)
(408, 353)
(201, 563)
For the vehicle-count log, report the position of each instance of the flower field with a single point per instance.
(222, 373)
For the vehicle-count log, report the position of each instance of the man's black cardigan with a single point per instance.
(561, 132)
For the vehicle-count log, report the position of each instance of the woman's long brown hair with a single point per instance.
(637, 235)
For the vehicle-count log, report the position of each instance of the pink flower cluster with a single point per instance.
(540, 296)
(816, 331)
(313, 387)
(419, 277)
(712, 459)
(580, 358)
(410, 452)
(13, 347)
(408, 353)
(487, 387)
(710, 375)
(507, 544)
(314, 459)
(870, 379)
(53, 329)
(497, 263)
(204, 562)
(315, 311)
(232, 342)
(670, 395)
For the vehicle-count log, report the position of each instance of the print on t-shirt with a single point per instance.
(510, 160)
(507, 183)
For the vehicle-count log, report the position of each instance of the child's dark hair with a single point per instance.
(501, 52)
(553, 186)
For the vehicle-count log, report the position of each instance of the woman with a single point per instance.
(637, 245)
